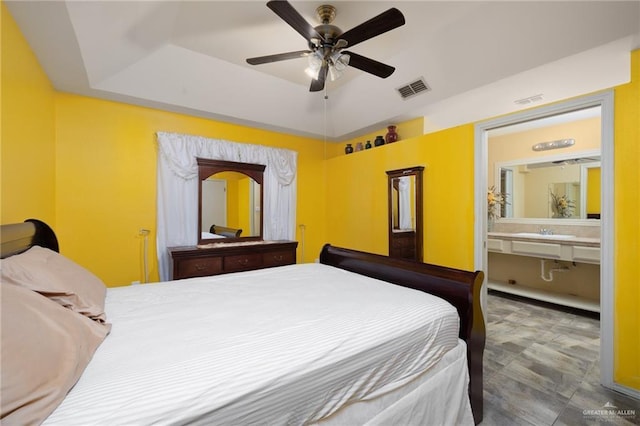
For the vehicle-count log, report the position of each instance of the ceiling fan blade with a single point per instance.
(291, 16)
(318, 84)
(278, 57)
(369, 65)
(375, 26)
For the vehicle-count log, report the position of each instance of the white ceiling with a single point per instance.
(189, 56)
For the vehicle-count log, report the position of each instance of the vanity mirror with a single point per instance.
(405, 213)
(230, 198)
(556, 187)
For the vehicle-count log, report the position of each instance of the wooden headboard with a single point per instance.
(19, 237)
(458, 287)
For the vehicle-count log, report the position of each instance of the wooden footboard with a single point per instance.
(458, 287)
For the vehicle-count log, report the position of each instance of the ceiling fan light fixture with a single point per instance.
(340, 61)
(314, 64)
(326, 39)
(334, 74)
(338, 64)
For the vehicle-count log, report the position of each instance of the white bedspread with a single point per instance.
(286, 345)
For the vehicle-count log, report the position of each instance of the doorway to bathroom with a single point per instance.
(544, 214)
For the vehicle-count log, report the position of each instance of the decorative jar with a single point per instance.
(348, 149)
(359, 146)
(391, 135)
(367, 145)
(378, 141)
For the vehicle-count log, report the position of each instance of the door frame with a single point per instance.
(607, 277)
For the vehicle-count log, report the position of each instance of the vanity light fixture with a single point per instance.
(560, 143)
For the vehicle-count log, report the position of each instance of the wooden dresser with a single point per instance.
(192, 261)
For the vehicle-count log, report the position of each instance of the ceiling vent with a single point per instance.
(529, 100)
(413, 88)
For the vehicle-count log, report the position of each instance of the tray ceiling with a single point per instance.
(477, 57)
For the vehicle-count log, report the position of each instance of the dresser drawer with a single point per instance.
(193, 261)
(242, 262)
(278, 258)
(198, 267)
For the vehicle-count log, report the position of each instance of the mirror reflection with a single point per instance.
(230, 206)
(403, 203)
(558, 188)
(229, 201)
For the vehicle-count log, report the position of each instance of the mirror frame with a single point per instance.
(207, 168)
(543, 159)
(409, 171)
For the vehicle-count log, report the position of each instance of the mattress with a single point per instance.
(287, 345)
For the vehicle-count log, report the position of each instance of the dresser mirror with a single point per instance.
(556, 187)
(230, 196)
(405, 213)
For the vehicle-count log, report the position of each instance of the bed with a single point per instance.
(330, 343)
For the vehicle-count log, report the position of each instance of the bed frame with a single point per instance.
(458, 287)
(19, 237)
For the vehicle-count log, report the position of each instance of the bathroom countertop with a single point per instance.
(574, 241)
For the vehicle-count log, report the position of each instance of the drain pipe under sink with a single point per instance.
(551, 271)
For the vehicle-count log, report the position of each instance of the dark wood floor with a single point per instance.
(541, 367)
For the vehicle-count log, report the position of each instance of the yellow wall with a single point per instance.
(357, 214)
(405, 130)
(627, 229)
(106, 155)
(27, 134)
(90, 170)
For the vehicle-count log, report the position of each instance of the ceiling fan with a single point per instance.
(326, 43)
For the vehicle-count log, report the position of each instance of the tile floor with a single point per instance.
(541, 367)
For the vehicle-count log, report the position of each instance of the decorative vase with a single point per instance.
(359, 146)
(391, 135)
(348, 149)
(378, 141)
(367, 145)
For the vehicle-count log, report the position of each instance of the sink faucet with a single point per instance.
(546, 231)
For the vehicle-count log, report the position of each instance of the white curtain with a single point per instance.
(178, 188)
(404, 191)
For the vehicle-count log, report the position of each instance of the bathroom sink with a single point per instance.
(550, 237)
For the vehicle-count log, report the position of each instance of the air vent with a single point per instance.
(413, 88)
(529, 100)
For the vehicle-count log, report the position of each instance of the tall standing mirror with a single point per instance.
(230, 198)
(405, 213)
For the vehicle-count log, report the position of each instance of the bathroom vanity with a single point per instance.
(561, 268)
